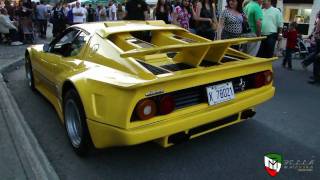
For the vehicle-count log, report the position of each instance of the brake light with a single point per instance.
(262, 78)
(166, 104)
(146, 109)
(269, 77)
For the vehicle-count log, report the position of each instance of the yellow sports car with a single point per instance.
(125, 83)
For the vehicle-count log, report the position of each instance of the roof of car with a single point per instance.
(104, 29)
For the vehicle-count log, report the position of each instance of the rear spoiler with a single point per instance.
(192, 53)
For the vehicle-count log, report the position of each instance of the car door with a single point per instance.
(72, 61)
(59, 49)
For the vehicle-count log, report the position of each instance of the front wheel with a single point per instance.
(29, 72)
(75, 123)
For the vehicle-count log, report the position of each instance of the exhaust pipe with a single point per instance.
(246, 114)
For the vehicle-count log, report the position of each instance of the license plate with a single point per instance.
(220, 93)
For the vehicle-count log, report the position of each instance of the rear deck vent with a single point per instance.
(206, 63)
(177, 67)
(230, 58)
(155, 70)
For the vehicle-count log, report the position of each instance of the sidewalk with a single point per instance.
(21, 156)
(10, 163)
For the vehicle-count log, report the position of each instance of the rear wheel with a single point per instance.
(29, 72)
(75, 123)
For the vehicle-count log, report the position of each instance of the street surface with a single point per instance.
(288, 124)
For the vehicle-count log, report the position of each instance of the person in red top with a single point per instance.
(292, 36)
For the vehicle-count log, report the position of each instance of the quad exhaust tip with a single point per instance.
(246, 114)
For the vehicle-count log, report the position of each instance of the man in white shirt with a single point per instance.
(271, 27)
(112, 11)
(78, 14)
(85, 13)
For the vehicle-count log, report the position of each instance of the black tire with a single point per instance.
(72, 107)
(29, 72)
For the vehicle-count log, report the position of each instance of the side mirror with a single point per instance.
(46, 47)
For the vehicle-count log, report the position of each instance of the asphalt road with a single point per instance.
(288, 124)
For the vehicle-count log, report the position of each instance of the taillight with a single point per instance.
(146, 109)
(166, 104)
(269, 77)
(262, 78)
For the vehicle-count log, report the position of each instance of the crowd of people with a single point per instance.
(249, 18)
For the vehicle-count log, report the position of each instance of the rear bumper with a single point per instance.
(106, 136)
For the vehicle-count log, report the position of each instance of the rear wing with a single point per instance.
(192, 53)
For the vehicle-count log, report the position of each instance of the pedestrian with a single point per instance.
(315, 56)
(206, 19)
(103, 14)
(291, 36)
(66, 7)
(78, 13)
(9, 27)
(58, 20)
(162, 11)
(42, 17)
(136, 10)
(192, 20)
(91, 14)
(312, 51)
(271, 27)
(120, 11)
(70, 15)
(254, 14)
(112, 11)
(231, 19)
(85, 12)
(24, 14)
(181, 14)
(98, 8)
(9, 8)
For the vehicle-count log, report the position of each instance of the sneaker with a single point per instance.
(16, 43)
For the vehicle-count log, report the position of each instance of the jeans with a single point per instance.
(267, 46)
(14, 35)
(43, 27)
(288, 57)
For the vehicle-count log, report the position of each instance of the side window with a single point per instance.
(63, 46)
(77, 44)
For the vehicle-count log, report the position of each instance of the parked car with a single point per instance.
(125, 83)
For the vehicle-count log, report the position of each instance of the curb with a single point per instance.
(12, 65)
(34, 160)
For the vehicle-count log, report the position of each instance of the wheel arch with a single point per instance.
(28, 52)
(68, 85)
